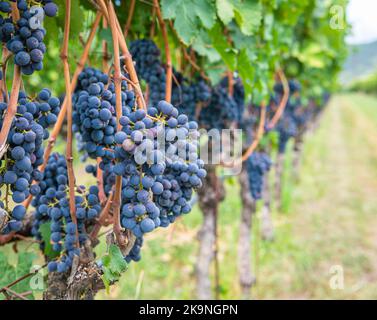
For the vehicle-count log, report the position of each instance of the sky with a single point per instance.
(362, 14)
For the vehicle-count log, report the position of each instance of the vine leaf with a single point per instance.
(45, 230)
(248, 16)
(206, 12)
(225, 10)
(246, 69)
(8, 272)
(220, 43)
(189, 16)
(11, 272)
(105, 34)
(312, 55)
(202, 47)
(25, 262)
(76, 24)
(113, 265)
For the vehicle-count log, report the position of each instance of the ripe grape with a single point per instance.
(257, 165)
(24, 37)
(52, 205)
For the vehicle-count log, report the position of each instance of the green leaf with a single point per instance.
(220, 43)
(186, 27)
(185, 22)
(312, 55)
(25, 262)
(115, 260)
(189, 16)
(268, 26)
(9, 273)
(46, 233)
(225, 10)
(246, 69)
(203, 47)
(216, 74)
(248, 16)
(77, 18)
(113, 266)
(88, 5)
(206, 11)
(106, 34)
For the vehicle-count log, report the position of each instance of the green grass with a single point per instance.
(328, 218)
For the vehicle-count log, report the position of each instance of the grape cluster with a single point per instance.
(19, 165)
(293, 85)
(217, 108)
(287, 129)
(135, 251)
(156, 156)
(52, 205)
(161, 165)
(94, 115)
(88, 76)
(257, 165)
(149, 68)
(188, 96)
(221, 110)
(287, 126)
(238, 96)
(157, 179)
(156, 183)
(24, 37)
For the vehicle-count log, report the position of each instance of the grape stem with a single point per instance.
(117, 78)
(153, 25)
(61, 117)
(105, 53)
(126, 54)
(101, 192)
(135, 87)
(5, 58)
(80, 66)
(230, 83)
(14, 293)
(103, 219)
(249, 151)
(189, 59)
(12, 106)
(11, 110)
(283, 103)
(15, 12)
(105, 68)
(68, 98)
(4, 239)
(129, 18)
(82, 41)
(194, 65)
(22, 278)
(169, 68)
(259, 134)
